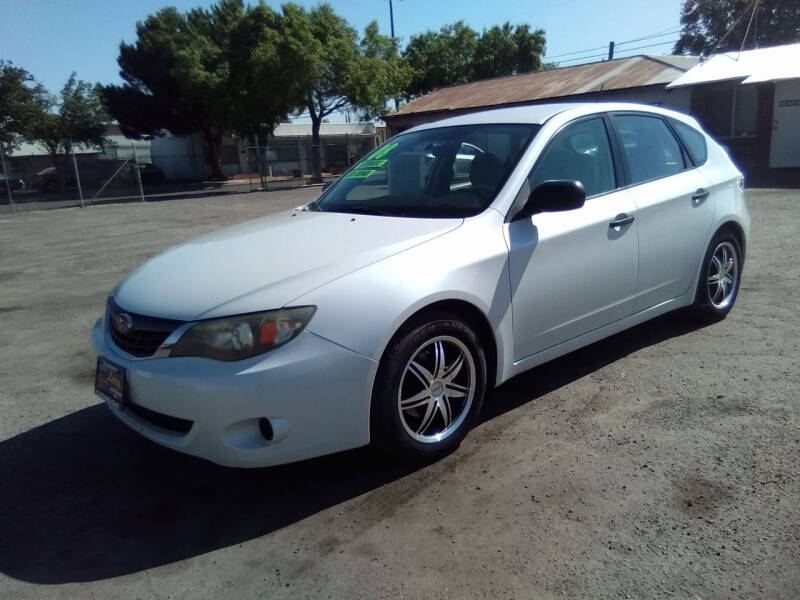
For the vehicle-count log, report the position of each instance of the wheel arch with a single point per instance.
(737, 230)
(466, 311)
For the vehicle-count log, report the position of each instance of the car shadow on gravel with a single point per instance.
(83, 499)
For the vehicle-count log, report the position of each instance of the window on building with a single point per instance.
(650, 148)
(733, 111)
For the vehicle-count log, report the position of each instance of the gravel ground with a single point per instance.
(661, 462)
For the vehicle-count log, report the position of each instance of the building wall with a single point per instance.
(679, 99)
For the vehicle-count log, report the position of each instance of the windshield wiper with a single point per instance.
(367, 210)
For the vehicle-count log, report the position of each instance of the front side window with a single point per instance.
(581, 152)
(649, 147)
(440, 172)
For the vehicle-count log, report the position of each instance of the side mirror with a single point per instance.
(553, 196)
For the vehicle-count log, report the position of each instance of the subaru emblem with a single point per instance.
(123, 323)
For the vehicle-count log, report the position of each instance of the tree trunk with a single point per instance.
(316, 148)
(214, 142)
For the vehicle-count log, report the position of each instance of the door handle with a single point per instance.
(700, 195)
(621, 221)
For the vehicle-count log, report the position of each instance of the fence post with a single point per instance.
(77, 174)
(8, 183)
(138, 174)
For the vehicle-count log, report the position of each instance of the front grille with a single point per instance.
(176, 424)
(139, 343)
(145, 334)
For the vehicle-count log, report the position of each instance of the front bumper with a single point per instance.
(315, 393)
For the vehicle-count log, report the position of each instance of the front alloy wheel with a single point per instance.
(436, 389)
(429, 389)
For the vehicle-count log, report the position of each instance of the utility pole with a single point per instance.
(391, 25)
(610, 50)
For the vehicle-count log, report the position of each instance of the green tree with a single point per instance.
(505, 50)
(21, 99)
(228, 70)
(76, 117)
(440, 58)
(720, 25)
(343, 73)
(456, 54)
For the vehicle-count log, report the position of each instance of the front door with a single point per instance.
(573, 271)
(785, 146)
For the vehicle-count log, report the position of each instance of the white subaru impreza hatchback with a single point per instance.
(452, 258)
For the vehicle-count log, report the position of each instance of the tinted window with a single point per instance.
(580, 152)
(440, 172)
(694, 141)
(649, 146)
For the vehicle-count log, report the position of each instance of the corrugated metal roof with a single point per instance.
(635, 71)
(754, 66)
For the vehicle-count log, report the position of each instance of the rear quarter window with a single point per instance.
(694, 141)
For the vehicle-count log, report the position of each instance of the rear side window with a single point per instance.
(650, 148)
(694, 141)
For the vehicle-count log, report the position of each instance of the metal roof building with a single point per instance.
(640, 78)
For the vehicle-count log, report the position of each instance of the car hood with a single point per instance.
(267, 262)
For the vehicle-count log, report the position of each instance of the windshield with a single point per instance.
(442, 172)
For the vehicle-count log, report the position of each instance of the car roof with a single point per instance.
(538, 114)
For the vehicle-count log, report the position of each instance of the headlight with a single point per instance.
(236, 338)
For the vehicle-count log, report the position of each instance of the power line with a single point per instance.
(649, 37)
(624, 50)
(639, 39)
(749, 23)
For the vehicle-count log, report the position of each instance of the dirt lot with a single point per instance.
(662, 462)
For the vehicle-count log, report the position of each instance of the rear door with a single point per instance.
(573, 271)
(674, 209)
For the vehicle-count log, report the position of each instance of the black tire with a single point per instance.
(393, 431)
(712, 302)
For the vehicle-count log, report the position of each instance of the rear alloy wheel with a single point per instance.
(430, 391)
(719, 278)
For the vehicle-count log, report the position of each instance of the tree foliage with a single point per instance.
(76, 116)
(226, 70)
(457, 53)
(440, 58)
(720, 25)
(21, 99)
(507, 50)
(342, 72)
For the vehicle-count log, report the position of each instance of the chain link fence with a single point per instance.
(142, 171)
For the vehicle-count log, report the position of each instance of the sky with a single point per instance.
(52, 38)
